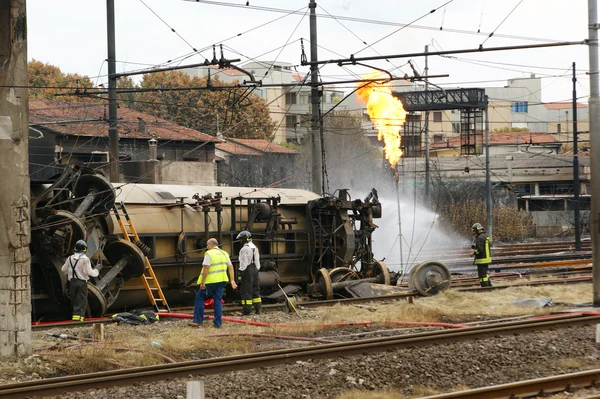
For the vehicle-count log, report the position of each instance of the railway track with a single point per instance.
(510, 249)
(530, 388)
(53, 386)
(461, 283)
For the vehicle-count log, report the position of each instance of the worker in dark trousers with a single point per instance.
(482, 254)
(248, 271)
(78, 269)
(212, 281)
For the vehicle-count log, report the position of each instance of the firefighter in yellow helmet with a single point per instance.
(79, 270)
(248, 271)
(482, 254)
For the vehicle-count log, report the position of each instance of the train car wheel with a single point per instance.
(96, 301)
(63, 219)
(324, 282)
(429, 278)
(136, 260)
(383, 273)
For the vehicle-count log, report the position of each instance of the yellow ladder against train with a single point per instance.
(151, 284)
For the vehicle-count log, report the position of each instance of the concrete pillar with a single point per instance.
(15, 302)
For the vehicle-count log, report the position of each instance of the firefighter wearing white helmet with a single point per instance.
(482, 254)
(78, 269)
(248, 274)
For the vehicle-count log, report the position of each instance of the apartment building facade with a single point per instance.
(284, 90)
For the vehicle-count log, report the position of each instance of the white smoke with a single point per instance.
(421, 234)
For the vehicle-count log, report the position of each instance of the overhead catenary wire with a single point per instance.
(356, 36)
(370, 21)
(500, 24)
(404, 27)
(170, 27)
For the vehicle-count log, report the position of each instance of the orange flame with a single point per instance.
(387, 114)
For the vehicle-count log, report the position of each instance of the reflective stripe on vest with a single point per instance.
(217, 272)
(488, 257)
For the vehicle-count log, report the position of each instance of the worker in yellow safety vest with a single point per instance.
(212, 281)
(482, 254)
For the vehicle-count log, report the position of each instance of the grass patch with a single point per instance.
(128, 346)
(360, 394)
(578, 364)
(454, 304)
(419, 391)
(132, 346)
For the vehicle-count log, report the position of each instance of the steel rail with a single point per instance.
(572, 280)
(463, 254)
(525, 280)
(461, 284)
(529, 388)
(53, 386)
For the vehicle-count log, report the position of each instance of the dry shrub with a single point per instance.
(133, 346)
(456, 305)
(462, 203)
(510, 224)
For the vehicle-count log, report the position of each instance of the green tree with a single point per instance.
(511, 129)
(46, 81)
(228, 111)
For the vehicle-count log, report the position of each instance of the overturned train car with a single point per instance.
(317, 244)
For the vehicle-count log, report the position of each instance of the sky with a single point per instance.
(71, 34)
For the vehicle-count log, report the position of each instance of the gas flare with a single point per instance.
(387, 114)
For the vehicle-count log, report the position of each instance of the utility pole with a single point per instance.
(576, 168)
(15, 295)
(594, 109)
(113, 130)
(427, 177)
(397, 179)
(488, 180)
(317, 155)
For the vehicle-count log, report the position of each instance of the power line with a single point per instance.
(371, 21)
(405, 26)
(353, 59)
(356, 36)
(500, 24)
(169, 26)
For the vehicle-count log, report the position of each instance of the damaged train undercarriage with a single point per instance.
(318, 246)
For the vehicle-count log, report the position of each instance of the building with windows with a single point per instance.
(289, 104)
(514, 107)
(255, 163)
(517, 105)
(542, 182)
(151, 149)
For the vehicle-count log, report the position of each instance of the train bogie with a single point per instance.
(320, 244)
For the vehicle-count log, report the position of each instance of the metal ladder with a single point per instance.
(155, 293)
